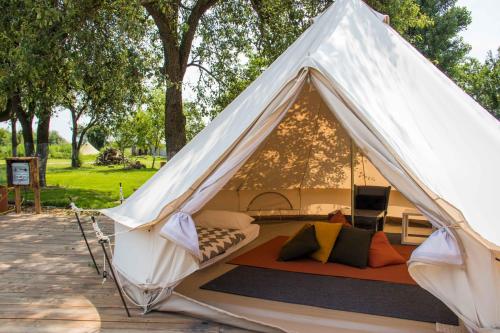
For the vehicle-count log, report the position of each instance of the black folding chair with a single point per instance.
(370, 206)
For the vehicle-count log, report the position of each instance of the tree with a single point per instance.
(4, 137)
(55, 138)
(152, 122)
(194, 120)
(440, 41)
(98, 136)
(177, 24)
(239, 39)
(108, 64)
(482, 81)
(33, 66)
(124, 135)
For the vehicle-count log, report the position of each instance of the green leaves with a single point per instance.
(440, 40)
(482, 81)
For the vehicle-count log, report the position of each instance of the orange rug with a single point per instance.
(265, 256)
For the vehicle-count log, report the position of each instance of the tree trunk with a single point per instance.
(42, 145)
(75, 150)
(176, 49)
(75, 154)
(26, 120)
(175, 121)
(13, 139)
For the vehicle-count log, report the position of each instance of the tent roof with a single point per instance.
(438, 134)
(88, 149)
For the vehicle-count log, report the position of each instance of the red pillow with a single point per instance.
(338, 217)
(382, 253)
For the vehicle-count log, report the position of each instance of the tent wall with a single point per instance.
(470, 290)
(304, 202)
(306, 159)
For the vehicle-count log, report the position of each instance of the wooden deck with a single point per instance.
(48, 284)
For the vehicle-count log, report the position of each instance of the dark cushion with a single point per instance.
(301, 245)
(352, 247)
(372, 202)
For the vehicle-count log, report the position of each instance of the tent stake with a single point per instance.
(87, 243)
(102, 242)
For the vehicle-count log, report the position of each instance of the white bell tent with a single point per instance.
(348, 77)
(88, 149)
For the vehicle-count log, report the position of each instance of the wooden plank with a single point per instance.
(64, 326)
(49, 284)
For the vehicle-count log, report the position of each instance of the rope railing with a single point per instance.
(105, 241)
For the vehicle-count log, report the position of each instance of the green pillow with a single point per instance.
(301, 245)
(352, 247)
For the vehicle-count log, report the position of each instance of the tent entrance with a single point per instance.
(303, 168)
(287, 315)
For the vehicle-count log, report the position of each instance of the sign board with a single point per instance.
(23, 172)
(20, 173)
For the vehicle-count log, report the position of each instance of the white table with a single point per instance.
(405, 235)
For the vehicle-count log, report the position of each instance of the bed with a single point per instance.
(217, 243)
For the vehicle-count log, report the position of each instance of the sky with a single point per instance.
(483, 34)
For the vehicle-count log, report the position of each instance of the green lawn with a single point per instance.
(89, 186)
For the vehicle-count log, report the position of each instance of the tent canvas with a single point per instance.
(88, 149)
(307, 174)
(428, 138)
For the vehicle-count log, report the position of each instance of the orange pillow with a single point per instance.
(338, 217)
(382, 253)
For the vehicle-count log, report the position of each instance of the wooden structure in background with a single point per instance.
(23, 172)
(4, 205)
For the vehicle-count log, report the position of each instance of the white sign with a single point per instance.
(20, 173)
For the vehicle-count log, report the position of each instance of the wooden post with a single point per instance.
(17, 191)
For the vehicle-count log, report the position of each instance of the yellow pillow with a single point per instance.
(326, 235)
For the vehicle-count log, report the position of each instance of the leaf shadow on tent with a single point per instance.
(308, 149)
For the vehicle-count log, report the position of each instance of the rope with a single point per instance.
(105, 239)
(95, 226)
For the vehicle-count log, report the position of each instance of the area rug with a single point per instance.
(345, 294)
(265, 256)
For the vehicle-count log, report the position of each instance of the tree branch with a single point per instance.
(203, 69)
(84, 130)
(192, 22)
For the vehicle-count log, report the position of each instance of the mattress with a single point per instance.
(218, 244)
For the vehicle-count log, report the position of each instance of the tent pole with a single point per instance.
(352, 182)
(102, 242)
(86, 242)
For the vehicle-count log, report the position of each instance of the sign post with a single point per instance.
(23, 172)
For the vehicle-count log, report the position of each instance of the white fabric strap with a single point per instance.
(440, 248)
(181, 230)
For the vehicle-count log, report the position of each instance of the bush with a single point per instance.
(61, 151)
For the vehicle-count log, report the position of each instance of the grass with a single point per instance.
(89, 186)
